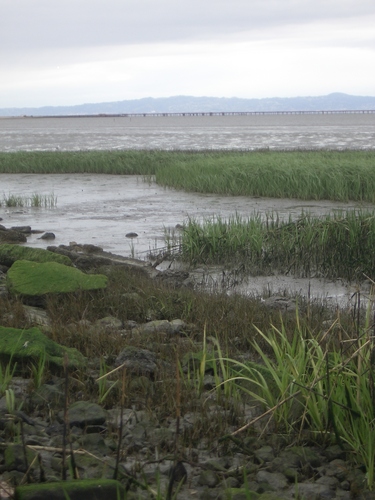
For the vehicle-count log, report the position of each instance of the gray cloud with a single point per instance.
(74, 51)
(28, 25)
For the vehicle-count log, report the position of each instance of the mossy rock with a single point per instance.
(29, 345)
(11, 253)
(36, 279)
(90, 489)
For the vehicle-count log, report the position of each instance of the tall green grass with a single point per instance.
(336, 245)
(94, 162)
(35, 200)
(304, 387)
(332, 175)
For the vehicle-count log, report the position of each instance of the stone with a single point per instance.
(177, 326)
(47, 236)
(37, 316)
(137, 361)
(264, 454)
(22, 229)
(48, 394)
(275, 480)
(313, 491)
(110, 323)
(208, 478)
(14, 458)
(84, 413)
(37, 279)
(156, 326)
(95, 444)
(281, 303)
(11, 236)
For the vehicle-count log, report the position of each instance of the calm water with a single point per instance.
(335, 131)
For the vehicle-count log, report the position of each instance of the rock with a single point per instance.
(84, 413)
(174, 279)
(94, 443)
(208, 478)
(275, 480)
(22, 229)
(38, 316)
(217, 464)
(265, 454)
(281, 303)
(333, 452)
(178, 326)
(313, 491)
(156, 326)
(85, 258)
(109, 323)
(51, 395)
(137, 361)
(36, 279)
(305, 455)
(14, 458)
(11, 253)
(29, 345)
(11, 236)
(47, 236)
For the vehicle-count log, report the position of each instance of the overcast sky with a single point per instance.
(64, 52)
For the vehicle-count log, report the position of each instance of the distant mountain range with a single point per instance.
(188, 104)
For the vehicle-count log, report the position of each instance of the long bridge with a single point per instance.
(240, 113)
(209, 113)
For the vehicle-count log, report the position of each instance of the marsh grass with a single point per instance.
(323, 174)
(35, 200)
(336, 245)
(316, 175)
(306, 388)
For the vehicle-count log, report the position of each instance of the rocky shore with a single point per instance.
(53, 430)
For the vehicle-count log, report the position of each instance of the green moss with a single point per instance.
(22, 345)
(96, 489)
(33, 278)
(10, 253)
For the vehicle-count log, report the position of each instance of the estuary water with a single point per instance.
(103, 209)
(333, 131)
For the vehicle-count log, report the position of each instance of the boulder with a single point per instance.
(22, 346)
(11, 236)
(11, 253)
(84, 413)
(137, 361)
(47, 236)
(38, 279)
(22, 229)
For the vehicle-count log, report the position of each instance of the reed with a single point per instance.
(336, 245)
(36, 200)
(303, 385)
(94, 162)
(332, 175)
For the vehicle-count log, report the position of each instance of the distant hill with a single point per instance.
(185, 104)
